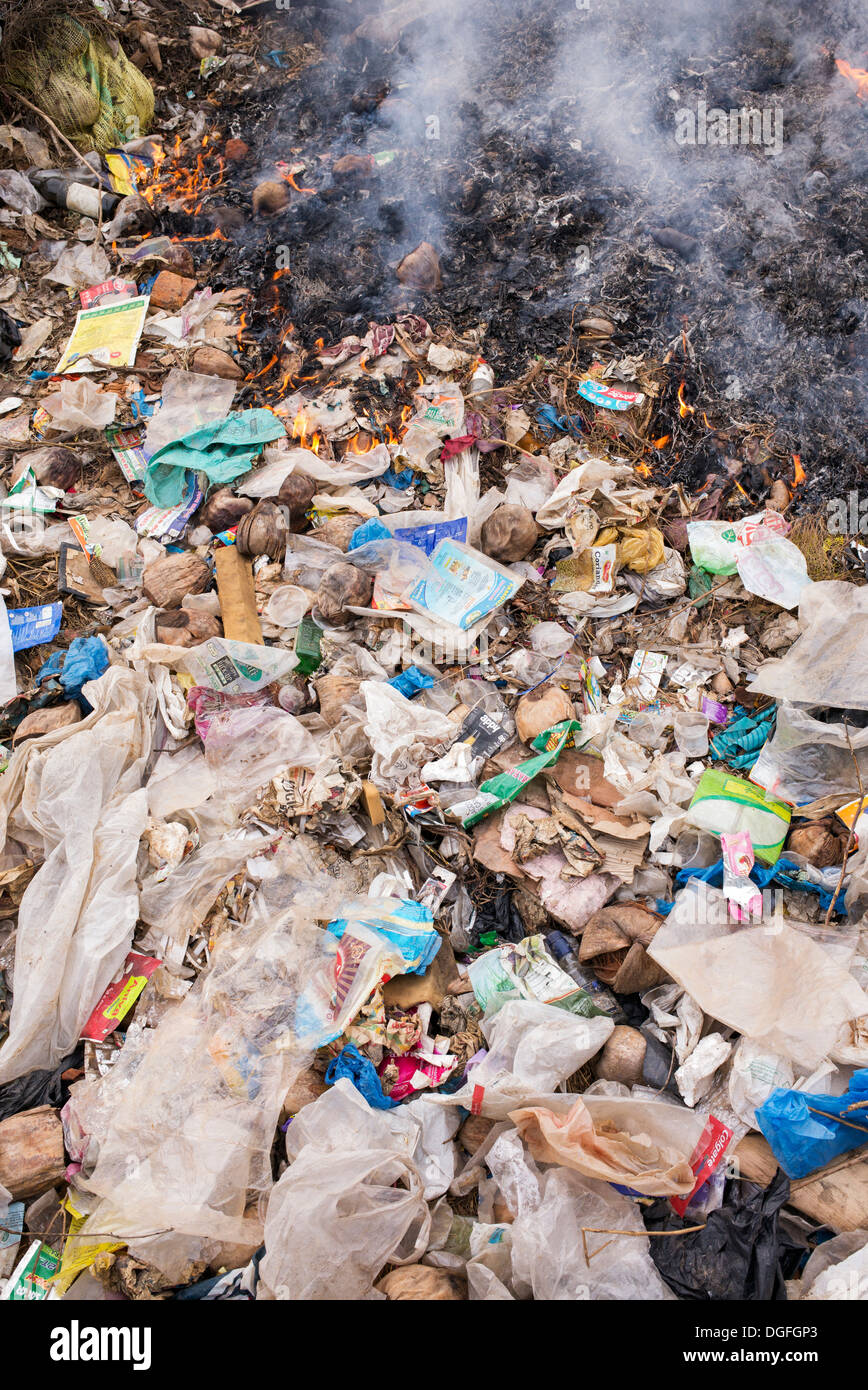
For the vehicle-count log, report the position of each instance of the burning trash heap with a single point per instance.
(561, 936)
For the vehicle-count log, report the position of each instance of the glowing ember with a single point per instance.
(858, 76)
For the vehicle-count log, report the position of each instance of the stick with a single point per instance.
(605, 1231)
(16, 96)
(851, 836)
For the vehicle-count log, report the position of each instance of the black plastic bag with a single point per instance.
(737, 1253)
(9, 337)
(38, 1087)
(499, 915)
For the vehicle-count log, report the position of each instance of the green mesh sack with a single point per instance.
(97, 97)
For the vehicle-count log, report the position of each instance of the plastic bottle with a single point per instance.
(604, 1000)
(481, 383)
(76, 196)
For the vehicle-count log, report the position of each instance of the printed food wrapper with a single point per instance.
(237, 668)
(505, 786)
(31, 627)
(610, 397)
(117, 1000)
(604, 561)
(31, 1278)
(465, 587)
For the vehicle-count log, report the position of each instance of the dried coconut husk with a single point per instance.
(334, 694)
(510, 533)
(186, 627)
(341, 587)
(262, 531)
(167, 580)
(622, 1057)
(223, 509)
(420, 268)
(818, 843)
(338, 530)
(297, 492)
(614, 945)
(542, 709)
(423, 1283)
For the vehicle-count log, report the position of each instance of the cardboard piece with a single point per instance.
(237, 596)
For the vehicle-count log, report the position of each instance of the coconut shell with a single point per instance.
(297, 492)
(474, 1131)
(262, 531)
(167, 580)
(334, 694)
(343, 585)
(817, 844)
(622, 1057)
(338, 530)
(510, 533)
(223, 510)
(236, 151)
(54, 466)
(421, 268)
(423, 1283)
(45, 721)
(211, 361)
(270, 197)
(186, 627)
(541, 709)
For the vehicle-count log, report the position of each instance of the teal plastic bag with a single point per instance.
(223, 451)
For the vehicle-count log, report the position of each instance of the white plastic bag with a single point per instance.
(773, 568)
(351, 1201)
(553, 1212)
(770, 982)
(533, 1047)
(75, 798)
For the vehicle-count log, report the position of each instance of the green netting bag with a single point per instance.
(95, 95)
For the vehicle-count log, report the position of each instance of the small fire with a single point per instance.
(288, 172)
(799, 474)
(659, 443)
(188, 186)
(278, 273)
(299, 432)
(360, 443)
(643, 469)
(856, 75)
(363, 366)
(683, 408)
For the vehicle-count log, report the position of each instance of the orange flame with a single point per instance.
(659, 443)
(856, 75)
(643, 469)
(799, 474)
(299, 431)
(683, 408)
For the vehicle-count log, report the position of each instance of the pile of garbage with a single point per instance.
(434, 858)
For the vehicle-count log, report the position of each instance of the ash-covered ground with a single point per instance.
(694, 172)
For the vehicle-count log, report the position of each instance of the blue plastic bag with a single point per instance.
(360, 1070)
(411, 681)
(804, 1130)
(85, 660)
